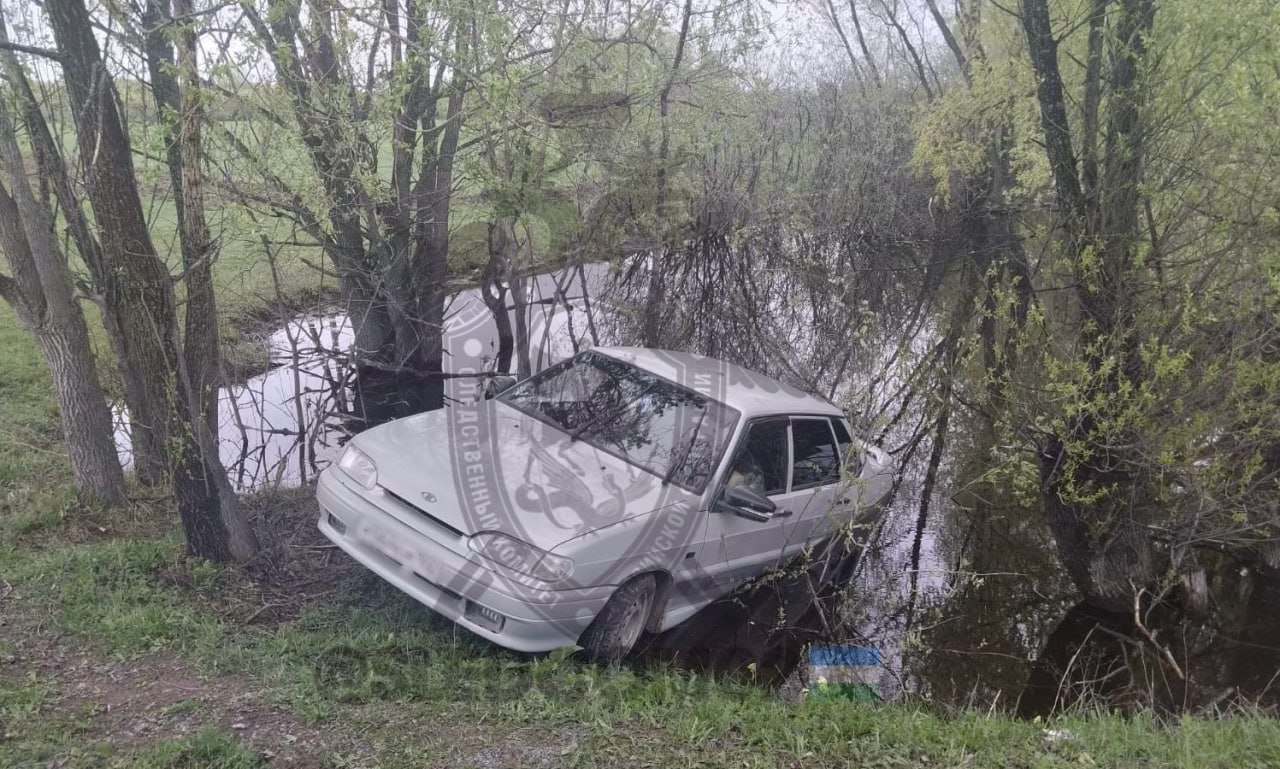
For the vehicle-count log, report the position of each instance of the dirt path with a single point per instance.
(144, 701)
(148, 699)
(88, 699)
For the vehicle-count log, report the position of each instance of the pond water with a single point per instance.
(958, 605)
(281, 427)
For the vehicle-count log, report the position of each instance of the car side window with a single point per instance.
(816, 460)
(851, 458)
(761, 460)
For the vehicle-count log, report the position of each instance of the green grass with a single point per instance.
(38, 742)
(34, 470)
(210, 749)
(116, 593)
(373, 662)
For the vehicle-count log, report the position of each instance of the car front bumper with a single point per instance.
(438, 571)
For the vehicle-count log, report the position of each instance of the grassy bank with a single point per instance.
(117, 651)
(361, 677)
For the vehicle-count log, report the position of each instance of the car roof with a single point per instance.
(749, 392)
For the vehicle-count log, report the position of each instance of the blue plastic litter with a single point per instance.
(851, 656)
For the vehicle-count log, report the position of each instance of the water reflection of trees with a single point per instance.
(997, 592)
(815, 311)
(960, 587)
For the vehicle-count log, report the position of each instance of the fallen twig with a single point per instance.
(1137, 622)
(259, 611)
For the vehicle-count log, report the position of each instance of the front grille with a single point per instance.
(424, 513)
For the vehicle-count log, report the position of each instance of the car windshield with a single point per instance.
(646, 420)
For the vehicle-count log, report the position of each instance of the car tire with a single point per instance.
(619, 624)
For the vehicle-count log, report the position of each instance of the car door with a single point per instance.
(737, 548)
(816, 497)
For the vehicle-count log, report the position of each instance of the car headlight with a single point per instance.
(521, 557)
(360, 467)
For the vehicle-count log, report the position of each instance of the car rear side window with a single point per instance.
(816, 460)
(849, 455)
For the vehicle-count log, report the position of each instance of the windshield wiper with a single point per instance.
(688, 449)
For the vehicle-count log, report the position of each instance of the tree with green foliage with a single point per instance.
(386, 239)
(1145, 188)
(1097, 497)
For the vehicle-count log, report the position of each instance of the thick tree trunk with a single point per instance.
(429, 293)
(86, 418)
(148, 445)
(48, 308)
(142, 292)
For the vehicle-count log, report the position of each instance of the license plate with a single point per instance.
(398, 544)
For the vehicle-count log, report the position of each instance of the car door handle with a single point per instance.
(781, 512)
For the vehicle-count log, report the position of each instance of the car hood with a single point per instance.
(489, 467)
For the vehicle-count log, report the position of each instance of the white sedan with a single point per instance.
(621, 490)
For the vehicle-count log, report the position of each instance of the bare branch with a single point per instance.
(31, 50)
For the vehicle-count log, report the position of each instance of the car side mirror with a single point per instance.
(497, 385)
(744, 498)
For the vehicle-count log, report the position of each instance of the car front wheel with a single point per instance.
(619, 624)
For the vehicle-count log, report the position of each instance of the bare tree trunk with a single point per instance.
(848, 48)
(862, 43)
(82, 408)
(200, 367)
(891, 15)
(506, 243)
(495, 298)
(148, 445)
(950, 38)
(652, 321)
(200, 338)
(1092, 96)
